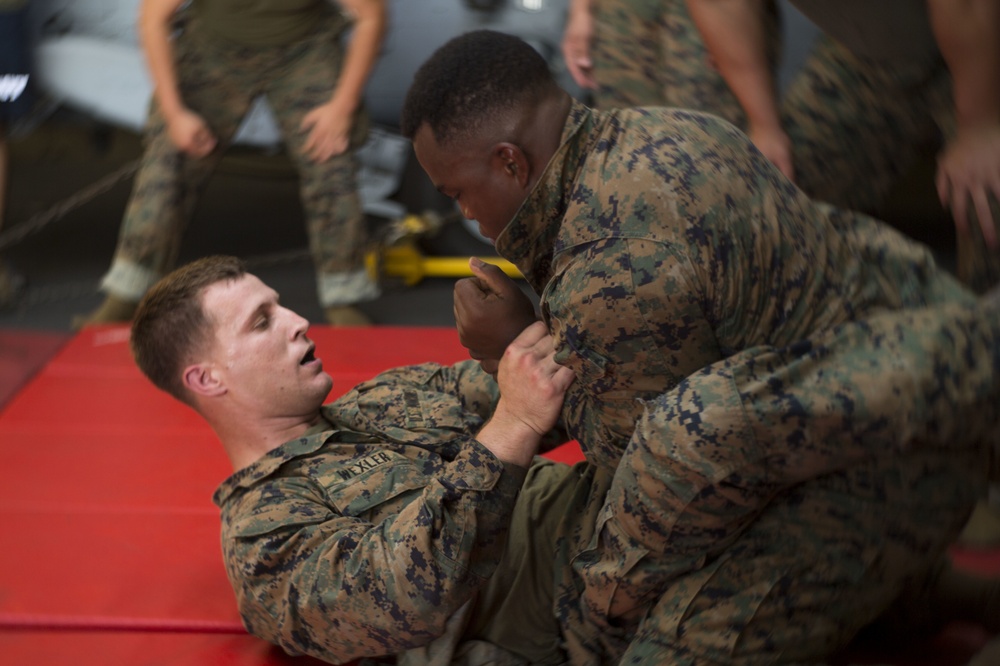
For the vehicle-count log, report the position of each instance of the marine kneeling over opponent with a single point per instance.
(411, 518)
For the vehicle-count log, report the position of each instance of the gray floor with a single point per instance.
(250, 209)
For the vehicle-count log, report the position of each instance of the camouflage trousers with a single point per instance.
(650, 53)
(857, 127)
(775, 502)
(220, 82)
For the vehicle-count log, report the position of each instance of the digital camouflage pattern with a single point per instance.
(650, 53)
(219, 81)
(775, 502)
(365, 536)
(660, 241)
(858, 126)
(792, 494)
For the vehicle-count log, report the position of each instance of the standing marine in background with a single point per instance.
(888, 81)
(205, 78)
(650, 53)
(660, 241)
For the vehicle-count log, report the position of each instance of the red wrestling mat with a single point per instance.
(110, 543)
(110, 540)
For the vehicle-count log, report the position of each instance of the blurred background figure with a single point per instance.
(209, 61)
(650, 53)
(887, 83)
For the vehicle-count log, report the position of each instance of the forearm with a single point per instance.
(155, 18)
(734, 33)
(461, 391)
(509, 438)
(968, 34)
(576, 41)
(579, 7)
(362, 51)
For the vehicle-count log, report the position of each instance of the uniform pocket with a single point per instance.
(617, 589)
(374, 486)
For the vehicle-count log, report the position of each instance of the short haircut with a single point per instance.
(470, 80)
(170, 324)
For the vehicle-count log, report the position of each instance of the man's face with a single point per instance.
(260, 352)
(478, 178)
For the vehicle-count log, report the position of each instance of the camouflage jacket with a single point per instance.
(365, 536)
(660, 240)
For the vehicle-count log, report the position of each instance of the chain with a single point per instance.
(38, 222)
(278, 258)
(36, 296)
(33, 297)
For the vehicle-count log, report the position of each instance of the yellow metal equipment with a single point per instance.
(399, 256)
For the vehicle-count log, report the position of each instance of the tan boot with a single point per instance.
(345, 315)
(113, 310)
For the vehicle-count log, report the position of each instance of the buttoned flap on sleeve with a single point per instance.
(366, 487)
(273, 506)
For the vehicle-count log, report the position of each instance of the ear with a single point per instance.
(512, 162)
(200, 379)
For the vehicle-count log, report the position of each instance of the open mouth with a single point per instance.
(309, 357)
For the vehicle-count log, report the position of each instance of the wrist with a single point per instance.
(509, 438)
(344, 101)
(968, 123)
(764, 121)
(171, 109)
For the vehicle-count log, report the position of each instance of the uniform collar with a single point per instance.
(311, 441)
(529, 241)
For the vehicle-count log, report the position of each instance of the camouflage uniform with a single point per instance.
(860, 111)
(660, 242)
(858, 122)
(857, 126)
(365, 536)
(773, 503)
(867, 104)
(219, 79)
(649, 53)
(779, 492)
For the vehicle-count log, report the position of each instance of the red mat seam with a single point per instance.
(103, 623)
(108, 509)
